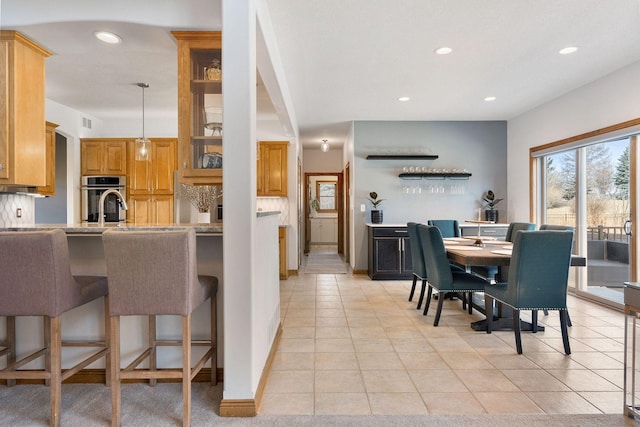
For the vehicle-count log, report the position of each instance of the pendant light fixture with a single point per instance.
(143, 145)
(324, 146)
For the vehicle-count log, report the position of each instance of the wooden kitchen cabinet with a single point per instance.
(150, 183)
(389, 253)
(49, 189)
(200, 126)
(103, 156)
(146, 209)
(22, 93)
(272, 169)
(282, 247)
(154, 176)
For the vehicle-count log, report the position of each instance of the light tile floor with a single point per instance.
(351, 345)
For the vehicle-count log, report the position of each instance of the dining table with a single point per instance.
(483, 252)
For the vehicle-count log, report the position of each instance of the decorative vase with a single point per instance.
(213, 71)
(376, 217)
(491, 215)
(204, 218)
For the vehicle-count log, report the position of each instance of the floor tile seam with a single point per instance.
(484, 411)
(568, 391)
(590, 370)
(542, 411)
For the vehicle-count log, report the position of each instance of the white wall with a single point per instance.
(607, 101)
(317, 161)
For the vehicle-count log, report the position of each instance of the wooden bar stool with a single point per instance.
(154, 273)
(36, 280)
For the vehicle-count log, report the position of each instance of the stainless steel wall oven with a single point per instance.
(92, 188)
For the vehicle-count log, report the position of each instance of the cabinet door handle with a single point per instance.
(399, 245)
(399, 231)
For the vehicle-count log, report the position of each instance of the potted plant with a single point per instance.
(202, 197)
(376, 215)
(491, 213)
(314, 204)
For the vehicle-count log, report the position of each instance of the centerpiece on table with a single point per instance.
(376, 214)
(490, 213)
(202, 197)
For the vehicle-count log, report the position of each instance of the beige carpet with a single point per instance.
(87, 405)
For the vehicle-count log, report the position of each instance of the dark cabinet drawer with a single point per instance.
(390, 232)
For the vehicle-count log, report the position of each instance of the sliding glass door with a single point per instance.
(587, 187)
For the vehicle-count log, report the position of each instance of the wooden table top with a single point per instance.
(463, 252)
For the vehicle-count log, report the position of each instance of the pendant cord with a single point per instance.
(143, 112)
(143, 86)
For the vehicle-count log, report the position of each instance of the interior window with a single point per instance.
(326, 194)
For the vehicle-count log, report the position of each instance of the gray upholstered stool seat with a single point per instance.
(36, 280)
(154, 273)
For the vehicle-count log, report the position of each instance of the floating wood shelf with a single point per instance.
(428, 175)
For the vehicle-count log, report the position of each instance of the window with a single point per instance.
(587, 187)
(326, 195)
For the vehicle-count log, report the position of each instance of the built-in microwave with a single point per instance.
(93, 187)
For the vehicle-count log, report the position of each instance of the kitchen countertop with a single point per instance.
(213, 229)
(93, 228)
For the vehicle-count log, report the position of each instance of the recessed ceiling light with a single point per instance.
(490, 98)
(443, 50)
(567, 50)
(404, 99)
(107, 37)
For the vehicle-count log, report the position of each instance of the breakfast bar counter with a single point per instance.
(87, 258)
(94, 228)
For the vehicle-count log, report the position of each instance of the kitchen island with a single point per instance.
(87, 257)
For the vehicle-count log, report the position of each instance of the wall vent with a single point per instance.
(86, 123)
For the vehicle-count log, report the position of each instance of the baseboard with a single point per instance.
(238, 408)
(97, 376)
(360, 271)
(267, 368)
(293, 272)
(251, 407)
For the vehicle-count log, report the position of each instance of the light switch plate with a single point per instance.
(363, 208)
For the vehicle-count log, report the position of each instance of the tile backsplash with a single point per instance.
(275, 204)
(9, 206)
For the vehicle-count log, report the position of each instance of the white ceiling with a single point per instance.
(344, 60)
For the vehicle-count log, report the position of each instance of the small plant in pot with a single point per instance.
(376, 214)
(491, 213)
(314, 204)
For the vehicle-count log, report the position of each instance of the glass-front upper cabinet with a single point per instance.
(200, 125)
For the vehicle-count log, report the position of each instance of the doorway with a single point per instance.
(324, 212)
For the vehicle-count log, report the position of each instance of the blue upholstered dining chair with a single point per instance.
(447, 227)
(417, 260)
(558, 227)
(538, 276)
(518, 226)
(490, 272)
(441, 276)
